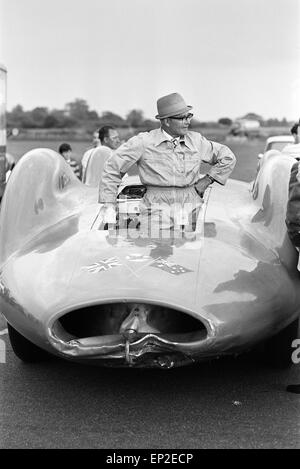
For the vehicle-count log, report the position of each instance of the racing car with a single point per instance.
(84, 288)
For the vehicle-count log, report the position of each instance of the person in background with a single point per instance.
(293, 217)
(293, 149)
(294, 131)
(93, 160)
(109, 137)
(169, 161)
(96, 139)
(86, 156)
(65, 151)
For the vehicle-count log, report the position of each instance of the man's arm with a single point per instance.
(221, 158)
(116, 166)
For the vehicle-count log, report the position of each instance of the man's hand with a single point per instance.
(202, 185)
(108, 213)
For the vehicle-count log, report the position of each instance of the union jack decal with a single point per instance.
(104, 265)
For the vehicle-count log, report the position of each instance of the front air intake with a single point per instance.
(115, 318)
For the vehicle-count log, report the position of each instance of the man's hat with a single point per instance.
(171, 105)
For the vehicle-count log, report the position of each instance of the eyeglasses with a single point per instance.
(182, 118)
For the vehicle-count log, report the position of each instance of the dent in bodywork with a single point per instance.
(141, 334)
(149, 351)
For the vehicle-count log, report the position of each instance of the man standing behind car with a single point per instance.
(294, 131)
(66, 151)
(93, 160)
(293, 218)
(168, 161)
(293, 149)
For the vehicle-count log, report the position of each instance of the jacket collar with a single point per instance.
(160, 136)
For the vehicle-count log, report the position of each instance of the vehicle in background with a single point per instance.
(278, 142)
(247, 128)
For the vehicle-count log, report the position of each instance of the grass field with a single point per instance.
(245, 152)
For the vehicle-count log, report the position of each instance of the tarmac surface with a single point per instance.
(227, 403)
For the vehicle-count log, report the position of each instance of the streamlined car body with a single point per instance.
(80, 286)
(277, 142)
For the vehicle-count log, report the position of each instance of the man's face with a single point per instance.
(67, 154)
(113, 139)
(96, 139)
(177, 126)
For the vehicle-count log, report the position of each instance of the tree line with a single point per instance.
(75, 114)
(271, 122)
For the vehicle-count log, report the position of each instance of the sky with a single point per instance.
(226, 57)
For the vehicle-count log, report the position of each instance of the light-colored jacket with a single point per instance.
(160, 163)
(92, 164)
